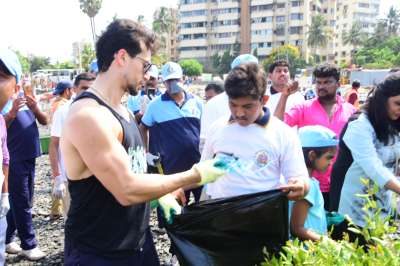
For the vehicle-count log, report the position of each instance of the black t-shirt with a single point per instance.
(97, 223)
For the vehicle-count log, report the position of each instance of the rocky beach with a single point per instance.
(50, 233)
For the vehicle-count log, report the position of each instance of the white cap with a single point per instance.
(171, 70)
(153, 72)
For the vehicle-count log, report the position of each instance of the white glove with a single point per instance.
(4, 205)
(152, 159)
(59, 187)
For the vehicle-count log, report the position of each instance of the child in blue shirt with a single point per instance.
(307, 216)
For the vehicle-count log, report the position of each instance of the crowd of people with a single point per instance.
(169, 147)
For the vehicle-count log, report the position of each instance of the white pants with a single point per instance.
(3, 228)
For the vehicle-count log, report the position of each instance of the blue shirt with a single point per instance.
(133, 103)
(23, 136)
(316, 218)
(174, 132)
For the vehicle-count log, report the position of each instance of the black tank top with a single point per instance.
(96, 222)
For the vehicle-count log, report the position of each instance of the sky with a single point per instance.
(49, 27)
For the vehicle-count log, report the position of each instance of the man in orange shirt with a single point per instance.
(352, 96)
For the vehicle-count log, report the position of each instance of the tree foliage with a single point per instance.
(64, 65)
(38, 62)
(222, 63)
(318, 34)
(286, 52)
(355, 35)
(158, 59)
(164, 23)
(87, 55)
(91, 8)
(393, 21)
(384, 55)
(163, 20)
(24, 60)
(191, 67)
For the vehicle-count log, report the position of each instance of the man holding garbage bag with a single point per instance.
(105, 160)
(262, 152)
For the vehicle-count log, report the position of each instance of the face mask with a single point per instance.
(175, 87)
(151, 91)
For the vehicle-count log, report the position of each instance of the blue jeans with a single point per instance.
(20, 187)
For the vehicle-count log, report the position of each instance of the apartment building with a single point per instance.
(348, 12)
(207, 27)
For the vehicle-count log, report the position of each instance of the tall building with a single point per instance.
(207, 27)
(348, 12)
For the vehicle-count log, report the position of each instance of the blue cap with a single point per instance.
(153, 72)
(93, 67)
(10, 60)
(243, 59)
(171, 70)
(61, 87)
(317, 137)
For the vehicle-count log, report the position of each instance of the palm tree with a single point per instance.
(164, 23)
(91, 8)
(140, 19)
(393, 21)
(355, 37)
(318, 34)
(163, 20)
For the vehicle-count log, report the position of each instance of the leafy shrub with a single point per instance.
(383, 247)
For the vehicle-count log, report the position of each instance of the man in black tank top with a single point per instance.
(105, 160)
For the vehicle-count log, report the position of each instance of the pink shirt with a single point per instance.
(312, 113)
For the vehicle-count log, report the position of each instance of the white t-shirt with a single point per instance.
(293, 99)
(214, 109)
(269, 156)
(57, 125)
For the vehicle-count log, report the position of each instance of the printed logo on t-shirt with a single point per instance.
(195, 112)
(262, 158)
(137, 157)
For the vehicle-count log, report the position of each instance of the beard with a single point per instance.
(327, 97)
(132, 90)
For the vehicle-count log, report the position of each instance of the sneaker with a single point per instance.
(13, 248)
(33, 254)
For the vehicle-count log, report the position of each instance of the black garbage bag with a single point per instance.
(231, 231)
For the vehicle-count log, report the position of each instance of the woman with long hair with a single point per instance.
(372, 144)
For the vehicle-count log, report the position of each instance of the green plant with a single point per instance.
(383, 248)
(289, 53)
(191, 67)
(91, 8)
(222, 63)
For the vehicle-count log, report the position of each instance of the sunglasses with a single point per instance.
(146, 64)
